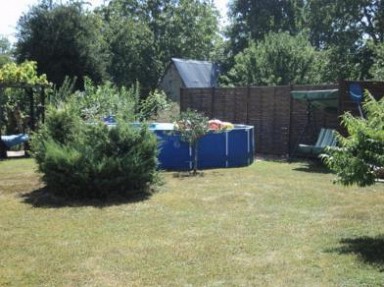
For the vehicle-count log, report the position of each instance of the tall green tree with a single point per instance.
(133, 55)
(377, 68)
(280, 59)
(5, 51)
(252, 20)
(374, 20)
(345, 22)
(65, 40)
(144, 35)
(342, 27)
(191, 31)
(182, 28)
(339, 27)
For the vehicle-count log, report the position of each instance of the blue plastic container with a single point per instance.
(234, 148)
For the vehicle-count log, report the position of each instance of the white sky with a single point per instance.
(10, 12)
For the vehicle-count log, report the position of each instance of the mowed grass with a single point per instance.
(270, 224)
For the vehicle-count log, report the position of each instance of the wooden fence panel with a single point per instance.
(280, 123)
(197, 99)
(255, 116)
(281, 118)
(265, 129)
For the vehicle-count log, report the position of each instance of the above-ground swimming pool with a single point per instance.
(233, 148)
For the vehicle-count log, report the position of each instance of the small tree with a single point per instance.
(192, 126)
(360, 157)
(150, 107)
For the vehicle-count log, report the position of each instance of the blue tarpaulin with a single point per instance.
(12, 140)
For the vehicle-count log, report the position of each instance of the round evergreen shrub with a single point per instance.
(92, 160)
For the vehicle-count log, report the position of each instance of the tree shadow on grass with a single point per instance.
(43, 198)
(370, 250)
(187, 174)
(313, 167)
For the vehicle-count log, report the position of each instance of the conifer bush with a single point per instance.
(90, 160)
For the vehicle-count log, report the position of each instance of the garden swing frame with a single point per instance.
(36, 112)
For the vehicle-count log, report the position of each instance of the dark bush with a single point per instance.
(82, 160)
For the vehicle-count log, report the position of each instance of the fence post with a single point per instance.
(1, 109)
(213, 102)
(290, 153)
(247, 103)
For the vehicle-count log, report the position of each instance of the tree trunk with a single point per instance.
(195, 147)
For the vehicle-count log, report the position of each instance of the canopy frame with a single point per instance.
(324, 99)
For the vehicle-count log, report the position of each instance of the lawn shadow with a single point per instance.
(43, 198)
(272, 158)
(370, 250)
(187, 174)
(313, 166)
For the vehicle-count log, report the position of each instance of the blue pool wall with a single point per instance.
(234, 148)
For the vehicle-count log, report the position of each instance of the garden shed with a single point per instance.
(183, 73)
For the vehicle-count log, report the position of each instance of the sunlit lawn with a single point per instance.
(270, 224)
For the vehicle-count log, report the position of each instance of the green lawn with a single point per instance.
(270, 224)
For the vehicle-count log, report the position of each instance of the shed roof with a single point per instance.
(197, 74)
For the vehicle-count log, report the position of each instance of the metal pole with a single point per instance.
(31, 108)
(1, 109)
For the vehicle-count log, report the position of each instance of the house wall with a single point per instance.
(171, 83)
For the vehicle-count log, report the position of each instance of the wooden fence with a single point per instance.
(280, 122)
